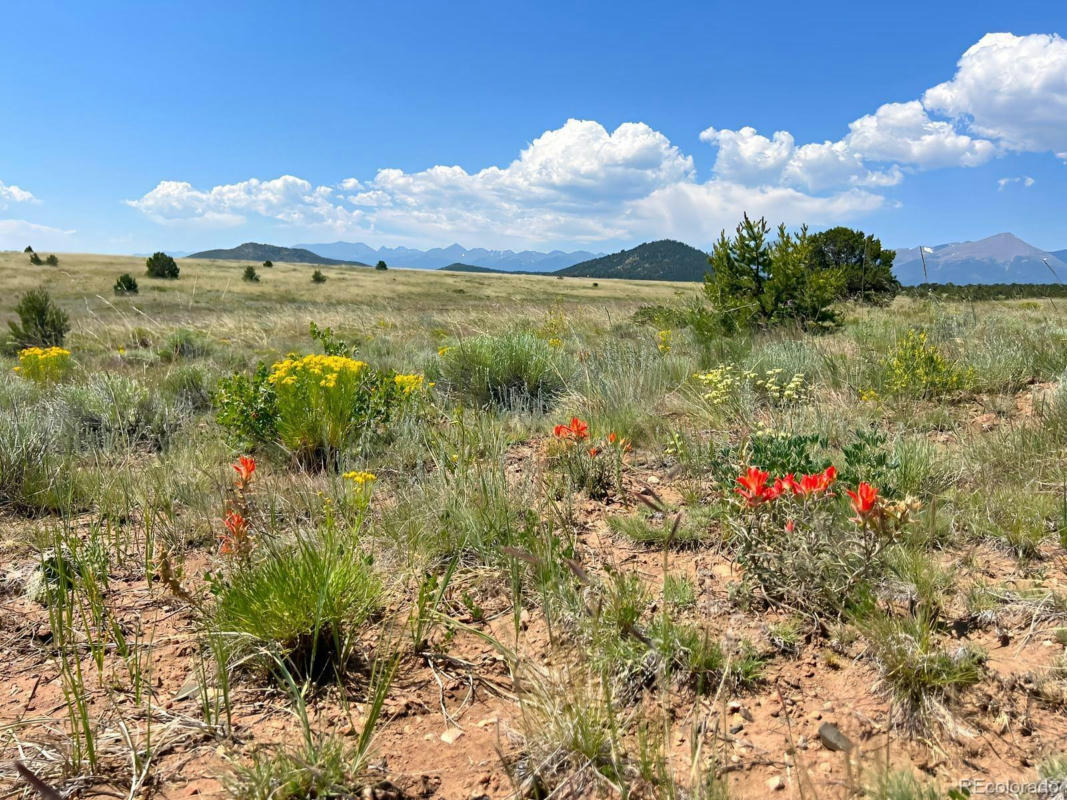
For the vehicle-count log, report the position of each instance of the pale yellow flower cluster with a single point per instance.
(721, 382)
(725, 381)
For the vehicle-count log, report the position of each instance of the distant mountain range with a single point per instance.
(438, 257)
(1003, 258)
(253, 251)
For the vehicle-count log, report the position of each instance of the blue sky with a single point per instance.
(137, 126)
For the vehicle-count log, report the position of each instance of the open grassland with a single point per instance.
(529, 573)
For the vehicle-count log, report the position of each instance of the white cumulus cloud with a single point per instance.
(287, 199)
(903, 133)
(14, 194)
(1012, 89)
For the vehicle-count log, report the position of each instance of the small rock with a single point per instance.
(737, 728)
(776, 784)
(832, 738)
(827, 706)
(450, 736)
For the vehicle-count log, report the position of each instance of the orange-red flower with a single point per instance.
(817, 483)
(235, 523)
(864, 499)
(790, 526)
(789, 482)
(577, 430)
(237, 541)
(244, 468)
(619, 442)
(754, 487)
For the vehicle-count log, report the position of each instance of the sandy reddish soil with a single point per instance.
(452, 723)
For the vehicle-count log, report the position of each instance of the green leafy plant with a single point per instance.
(315, 406)
(916, 368)
(318, 277)
(250, 275)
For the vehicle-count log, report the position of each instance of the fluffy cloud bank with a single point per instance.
(577, 183)
(1009, 94)
(584, 183)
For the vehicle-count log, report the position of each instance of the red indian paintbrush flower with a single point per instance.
(237, 540)
(864, 499)
(577, 430)
(753, 486)
(244, 468)
(817, 483)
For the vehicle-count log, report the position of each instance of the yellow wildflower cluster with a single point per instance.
(325, 370)
(772, 387)
(555, 342)
(360, 478)
(664, 340)
(726, 381)
(721, 383)
(409, 383)
(43, 364)
(916, 367)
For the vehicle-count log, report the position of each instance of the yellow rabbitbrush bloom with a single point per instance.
(409, 383)
(44, 364)
(316, 395)
(360, 478)
(319, 365)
